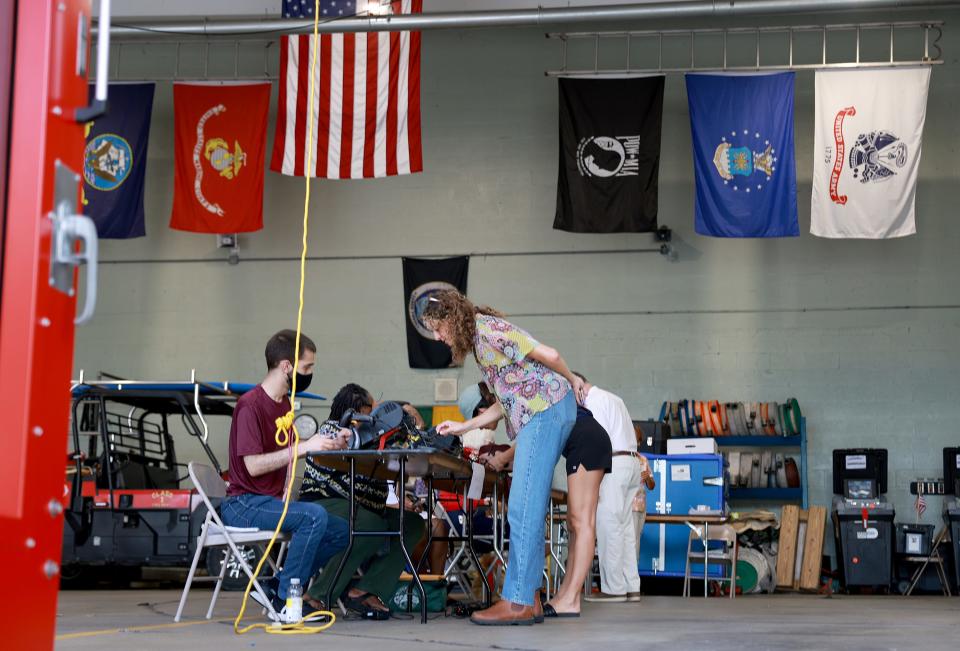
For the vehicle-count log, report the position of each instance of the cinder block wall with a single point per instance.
(864, 334)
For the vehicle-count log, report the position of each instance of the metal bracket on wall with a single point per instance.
(230, 241)
(719, 60)
(925, 486)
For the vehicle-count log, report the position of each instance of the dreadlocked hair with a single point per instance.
(350, 396)
(456, 310)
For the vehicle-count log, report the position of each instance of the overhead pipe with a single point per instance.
(517, 17)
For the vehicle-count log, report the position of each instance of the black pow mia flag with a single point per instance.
(421, 280)
(609, 155)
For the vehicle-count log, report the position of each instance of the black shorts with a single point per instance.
(588, 446)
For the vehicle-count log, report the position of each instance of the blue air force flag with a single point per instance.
(115, 161)
(742, 127)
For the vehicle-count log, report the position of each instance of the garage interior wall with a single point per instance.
(864, 333)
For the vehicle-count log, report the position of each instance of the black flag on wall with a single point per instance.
(609, 155)
(421, 279)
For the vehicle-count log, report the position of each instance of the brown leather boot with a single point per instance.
(537, 608)
(504, 613)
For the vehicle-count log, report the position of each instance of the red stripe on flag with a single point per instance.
(392, 104)
(370, 123)
(280, 133)
(323, 128)
(346, 126)
(300, 136)
(383, 124)
(413, 99)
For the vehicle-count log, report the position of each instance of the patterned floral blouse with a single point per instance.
(524, 386)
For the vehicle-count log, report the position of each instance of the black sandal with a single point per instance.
(365, 610)
(310, 608)
(550, 611)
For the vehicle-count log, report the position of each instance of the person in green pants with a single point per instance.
(331, 489)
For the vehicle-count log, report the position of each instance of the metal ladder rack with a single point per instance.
(931, 32)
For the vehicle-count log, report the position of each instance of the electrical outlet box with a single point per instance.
(445, 389)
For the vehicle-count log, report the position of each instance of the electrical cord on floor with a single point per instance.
(286, 431)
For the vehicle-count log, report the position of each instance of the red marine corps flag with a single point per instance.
(867, 151)
(220, 134)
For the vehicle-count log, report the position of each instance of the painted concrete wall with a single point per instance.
(864, 334)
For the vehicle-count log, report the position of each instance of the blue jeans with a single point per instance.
(539, 445)
(316, 537)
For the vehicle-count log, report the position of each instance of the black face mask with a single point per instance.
(303, 381)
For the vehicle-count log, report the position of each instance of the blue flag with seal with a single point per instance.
(115, 162)
(743, 154)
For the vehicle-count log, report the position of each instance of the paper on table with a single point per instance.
(475, 491)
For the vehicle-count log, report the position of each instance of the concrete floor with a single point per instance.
(143, 620)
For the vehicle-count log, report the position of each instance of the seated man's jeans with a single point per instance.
(316, 536)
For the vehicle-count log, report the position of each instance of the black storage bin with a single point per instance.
(922, 533)
(865, 553)
(951, 470)
(951, 517)
(652, 436)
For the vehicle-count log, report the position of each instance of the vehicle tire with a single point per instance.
(76, 576)
(235, 578)
(124, 575)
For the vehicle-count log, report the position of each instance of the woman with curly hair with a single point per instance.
(538, 397)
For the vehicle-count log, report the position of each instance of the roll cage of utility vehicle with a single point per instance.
(128, 501)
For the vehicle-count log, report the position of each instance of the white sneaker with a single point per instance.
(256, 596)
(633, 597)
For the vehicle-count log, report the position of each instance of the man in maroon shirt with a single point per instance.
(258, 469)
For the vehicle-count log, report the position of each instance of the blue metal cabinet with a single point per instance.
(685, 483)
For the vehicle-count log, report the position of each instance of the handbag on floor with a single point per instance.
(435, 589)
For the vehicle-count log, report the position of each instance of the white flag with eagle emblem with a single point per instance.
(866, 151)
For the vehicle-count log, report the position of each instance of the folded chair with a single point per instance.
(936, 559)
(725, 555)
(215, 535)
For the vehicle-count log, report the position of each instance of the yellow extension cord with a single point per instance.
(285, 423)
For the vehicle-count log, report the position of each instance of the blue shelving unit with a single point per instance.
(760, 494)
(772, 494)
(760, 441)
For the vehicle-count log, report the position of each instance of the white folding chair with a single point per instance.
(214, 534)
(726, 555)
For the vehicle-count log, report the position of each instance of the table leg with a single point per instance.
(468, 526)
(351, 524)
(556, 541)
(426, 550)
(706, 555)
(499, 526)
(401, 481)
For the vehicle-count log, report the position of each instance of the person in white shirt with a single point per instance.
(621, 509)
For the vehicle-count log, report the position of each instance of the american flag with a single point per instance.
(328, 8)
(920, 505)
(366, 103)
